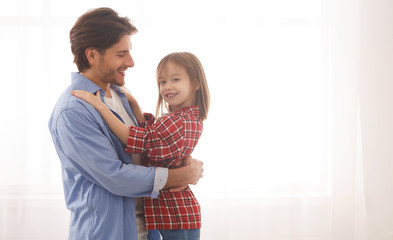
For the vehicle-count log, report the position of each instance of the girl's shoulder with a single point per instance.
(184, 115)
(191, 111)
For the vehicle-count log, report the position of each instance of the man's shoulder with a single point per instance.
(71, 108)
(66, 102)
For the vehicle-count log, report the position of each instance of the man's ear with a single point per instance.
(91, 55)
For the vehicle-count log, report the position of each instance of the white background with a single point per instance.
(282, 146)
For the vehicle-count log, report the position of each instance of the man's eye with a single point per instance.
(176, 79)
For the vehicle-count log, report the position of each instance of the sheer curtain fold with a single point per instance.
(376, 114)
(345, 179)
(362, 120)
(364, 70)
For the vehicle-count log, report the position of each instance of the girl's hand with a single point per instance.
(94, 100)
(134, 104)
(128, 94)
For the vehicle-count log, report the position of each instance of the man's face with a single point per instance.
(115, 61)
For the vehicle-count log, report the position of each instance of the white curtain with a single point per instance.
(298, 143)
(376, 114)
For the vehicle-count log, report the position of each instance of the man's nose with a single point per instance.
(130, 61)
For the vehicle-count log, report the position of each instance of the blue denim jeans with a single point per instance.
(178, 234)
(154, 235)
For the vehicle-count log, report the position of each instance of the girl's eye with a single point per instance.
(162, 82)
(176, 79)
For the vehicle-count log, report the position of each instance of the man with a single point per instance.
(100, 181)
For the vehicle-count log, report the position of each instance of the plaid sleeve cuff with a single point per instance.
(160, 179)
(149, 120)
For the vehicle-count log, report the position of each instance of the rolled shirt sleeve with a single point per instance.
(161, 178)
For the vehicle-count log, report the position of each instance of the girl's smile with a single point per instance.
(171, 95)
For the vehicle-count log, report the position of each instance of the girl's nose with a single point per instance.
(168, 85)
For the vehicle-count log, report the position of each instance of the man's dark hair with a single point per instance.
(100, 29)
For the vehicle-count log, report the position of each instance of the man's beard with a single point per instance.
(109, 76)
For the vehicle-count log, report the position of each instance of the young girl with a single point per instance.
(183, 91)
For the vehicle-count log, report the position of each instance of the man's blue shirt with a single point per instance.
(99, 179)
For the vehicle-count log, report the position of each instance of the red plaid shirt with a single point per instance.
(167, 143)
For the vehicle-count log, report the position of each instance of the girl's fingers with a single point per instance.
(98, 95)
(79, 93)
(125, 90)
(87, 96)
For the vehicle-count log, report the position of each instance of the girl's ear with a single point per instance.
(197, 87)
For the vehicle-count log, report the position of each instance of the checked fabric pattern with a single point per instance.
(167, 143)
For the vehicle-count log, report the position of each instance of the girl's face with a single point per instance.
(175, 86)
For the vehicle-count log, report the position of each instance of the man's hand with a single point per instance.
(190, 173)
(196, 167)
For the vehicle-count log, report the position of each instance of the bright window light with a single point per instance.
(265, 61)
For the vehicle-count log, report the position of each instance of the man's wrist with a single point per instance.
(174, 178)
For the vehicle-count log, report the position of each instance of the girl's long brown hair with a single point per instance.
(195, 72)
